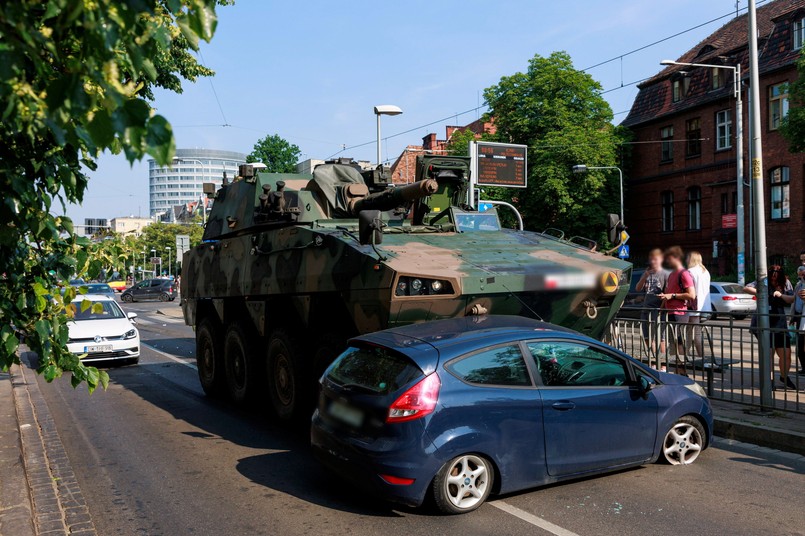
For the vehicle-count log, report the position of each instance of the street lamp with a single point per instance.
(200, 199)
(153, 261)
(582, 168)
(384, 109)
(170, 264)
(739, 157)
(142, 271)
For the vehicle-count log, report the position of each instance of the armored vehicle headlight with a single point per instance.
(420, 286)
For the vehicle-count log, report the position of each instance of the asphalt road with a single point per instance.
(154, 456)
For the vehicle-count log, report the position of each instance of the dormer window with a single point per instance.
(679, 88)
(706, 49)
(718, 78)
(799, 33)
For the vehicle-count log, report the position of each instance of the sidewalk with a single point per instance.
(39, 493)
(171, 309)
(16, 513)
(782, 430)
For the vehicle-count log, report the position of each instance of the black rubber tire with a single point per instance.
(740, 317)
(714, 314)
(690, 421)
(439, 488)
(209, 358)
(133, 361)
(288, 387)
(126, 298)
(164, 296)
(326, 348)
(238, 363)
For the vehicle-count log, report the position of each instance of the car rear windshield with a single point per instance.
(733, 289)
(374, 369)
(99, 289)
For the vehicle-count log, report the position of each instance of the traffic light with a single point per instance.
(614, 228)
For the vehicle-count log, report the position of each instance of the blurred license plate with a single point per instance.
(346, 413)
(101, 348)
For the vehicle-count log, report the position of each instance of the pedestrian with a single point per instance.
(797, 318)
(679, 290)
(781, 294)
(701, 281)
(651, 284)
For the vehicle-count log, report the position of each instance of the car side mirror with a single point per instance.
(645, 386)
(132, 317)
(370, 227)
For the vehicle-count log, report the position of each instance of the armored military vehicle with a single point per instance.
(292, 265)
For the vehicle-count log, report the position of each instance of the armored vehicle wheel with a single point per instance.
(238, 363)
(209, 358)
(284, 371)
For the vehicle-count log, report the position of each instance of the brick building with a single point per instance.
(682, 185)
(403, 170)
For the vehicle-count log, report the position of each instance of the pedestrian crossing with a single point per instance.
(159, 320)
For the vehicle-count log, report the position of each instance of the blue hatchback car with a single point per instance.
(462, 408)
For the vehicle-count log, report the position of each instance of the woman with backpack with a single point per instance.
(781, 295)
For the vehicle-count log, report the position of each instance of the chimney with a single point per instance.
(429, 142)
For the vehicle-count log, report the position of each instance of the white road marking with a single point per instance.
(169, 356)
(531, 518)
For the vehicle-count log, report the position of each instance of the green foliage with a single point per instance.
(159, 236)
(559, 113)
(459, 142)
(75, 79)
(276, 153)
(793, 124)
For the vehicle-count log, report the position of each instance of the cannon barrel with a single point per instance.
(394, 197)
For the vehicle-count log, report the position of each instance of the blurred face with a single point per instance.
(655, 262)
(673, 262)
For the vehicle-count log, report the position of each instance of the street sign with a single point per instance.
(625, 238)
(156, 260)
(729, 221)
(182, 245)
(500, 164)
(484, 206)
(623, 251)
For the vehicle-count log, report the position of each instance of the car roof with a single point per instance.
(430, 342)
(93, 297)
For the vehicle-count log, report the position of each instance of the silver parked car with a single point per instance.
(730, 298)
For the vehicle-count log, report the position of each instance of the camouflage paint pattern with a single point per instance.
(307, 269)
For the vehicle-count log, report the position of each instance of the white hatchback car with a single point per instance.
(105, 335)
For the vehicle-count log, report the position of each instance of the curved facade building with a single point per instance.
(180, 184)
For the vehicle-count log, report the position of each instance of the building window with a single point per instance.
(778, 105)
(667, 202)
(679, 88)
(799, 33)
(693, 137)
(694, 208)
(667, 145)
(723, 130)
(780, 201)
(718, 78)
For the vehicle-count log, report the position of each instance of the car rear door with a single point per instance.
(594, 415)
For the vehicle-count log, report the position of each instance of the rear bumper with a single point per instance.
(362, 463)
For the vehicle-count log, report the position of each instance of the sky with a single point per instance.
(311, 71)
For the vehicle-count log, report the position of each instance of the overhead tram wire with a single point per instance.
(599, 64)
(215, 93)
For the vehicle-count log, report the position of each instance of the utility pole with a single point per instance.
(739, 140)
(761, 269)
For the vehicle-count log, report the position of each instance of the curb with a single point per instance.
(59, 506)
(788, 441)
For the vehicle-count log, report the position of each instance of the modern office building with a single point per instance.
(93, 226)
(182, 182)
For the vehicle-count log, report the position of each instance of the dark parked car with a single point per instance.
(101, 289)
(462, 408)
(151, 289)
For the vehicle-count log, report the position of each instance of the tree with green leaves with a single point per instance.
(459, 142)
(159, 236)
(559, 113)
(279, 155)
(793, 124)
(76, 79)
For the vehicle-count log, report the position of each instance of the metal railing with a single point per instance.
(722, 355)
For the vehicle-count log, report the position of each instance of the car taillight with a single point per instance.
(754, 298)
(416, 402)
(397, 480)
(728, 298)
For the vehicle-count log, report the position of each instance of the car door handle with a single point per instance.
(563, 405)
